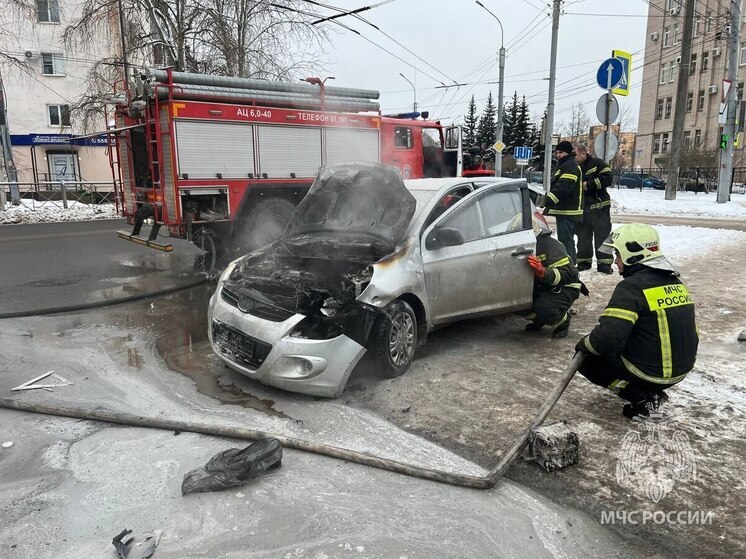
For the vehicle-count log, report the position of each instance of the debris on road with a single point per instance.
(7, 444)
(233, 467)
(742, 336)
(553, 446)
(128, 548)
(29, 384)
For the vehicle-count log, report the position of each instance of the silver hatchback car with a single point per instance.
(369, 263)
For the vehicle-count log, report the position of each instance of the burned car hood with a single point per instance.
(355, 199)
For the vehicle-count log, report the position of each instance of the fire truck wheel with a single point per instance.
(265, 223)
(207, 241)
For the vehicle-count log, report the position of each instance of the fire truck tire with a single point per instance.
(265, 223)
(207, 241)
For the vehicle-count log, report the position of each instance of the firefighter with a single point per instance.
(564, 200)
(646, 339)
(596, 224)
(556, 283)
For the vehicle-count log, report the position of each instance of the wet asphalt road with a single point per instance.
(59, 264)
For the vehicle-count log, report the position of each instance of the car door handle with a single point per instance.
(522, 251)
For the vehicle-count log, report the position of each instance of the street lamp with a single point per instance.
(499, 131)
(414, 105)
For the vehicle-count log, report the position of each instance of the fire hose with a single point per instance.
(461, 480)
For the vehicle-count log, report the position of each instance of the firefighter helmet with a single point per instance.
(538, 224)
(637, 243)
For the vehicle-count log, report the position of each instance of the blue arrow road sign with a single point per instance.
(610, 73)
(523, 152)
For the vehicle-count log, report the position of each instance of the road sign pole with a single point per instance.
(607, 127)
(550, 102)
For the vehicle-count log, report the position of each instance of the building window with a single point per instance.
(48, 11)
(669, 104)
(659, 109)
(656, 143)
(689, 101)
(671, 4)
(672, 72)
(676, 38)
(693, 65)
(664, 143)
(687, 139)
(697, 138)
(705, 61)
(59, 115)
(743, 54)
(697, 25)
(708, 21)
(666, 37)
(701, 100)
(52, 64)
(662, 79)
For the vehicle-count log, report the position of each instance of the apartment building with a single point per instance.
(707, 69)
(38, 92)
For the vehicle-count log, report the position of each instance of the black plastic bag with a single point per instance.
(233, 467)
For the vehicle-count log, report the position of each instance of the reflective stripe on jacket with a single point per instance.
(565, 196)
(599, 178)
(650, 321)
(560, 271)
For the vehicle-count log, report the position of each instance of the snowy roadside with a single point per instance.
(687, 204)
(50, 212)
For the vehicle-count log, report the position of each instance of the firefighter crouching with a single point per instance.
(564, 200)
(646, 338)
(556, 283)
(596, 224)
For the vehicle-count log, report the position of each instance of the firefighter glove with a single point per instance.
(536, 266)
(581, 346)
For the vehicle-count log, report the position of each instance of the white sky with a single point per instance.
(461, 40)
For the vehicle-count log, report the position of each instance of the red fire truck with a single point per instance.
(223, 161)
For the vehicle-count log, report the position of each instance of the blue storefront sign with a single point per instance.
(55, 139)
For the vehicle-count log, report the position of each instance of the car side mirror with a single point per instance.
(441, 237)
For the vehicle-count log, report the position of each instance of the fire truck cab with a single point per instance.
(223, 161)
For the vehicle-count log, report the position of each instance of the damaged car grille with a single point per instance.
(252, 306)
(239, 347)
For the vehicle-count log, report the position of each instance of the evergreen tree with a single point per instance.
(486, 127)
(522, 124)
(470, 125)
(509, 123)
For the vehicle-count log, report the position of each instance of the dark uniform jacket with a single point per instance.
(650, 322)
(599, 177)
(561, 272)
(565, 196)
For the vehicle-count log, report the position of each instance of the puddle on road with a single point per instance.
(181, 340)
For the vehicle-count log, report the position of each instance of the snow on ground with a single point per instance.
(35, 212)
(679, 241)
(687, 204)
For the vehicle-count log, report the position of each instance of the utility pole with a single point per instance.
(120, 9)
(414, 89)
(501, 87)
(679, 111)
(725, 173)
(550, 104)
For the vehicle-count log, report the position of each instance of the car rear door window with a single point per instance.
(502, 212)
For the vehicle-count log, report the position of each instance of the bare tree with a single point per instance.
(578, 126)
(246, 38)
(627, 120)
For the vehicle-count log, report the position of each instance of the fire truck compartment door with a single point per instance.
(351, 144)
(289, 149)
(207, 148)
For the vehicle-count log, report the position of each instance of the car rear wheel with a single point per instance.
(395, 339)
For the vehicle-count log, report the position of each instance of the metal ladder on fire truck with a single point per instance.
(154, 207)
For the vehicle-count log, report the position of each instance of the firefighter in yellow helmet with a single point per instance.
(556, 282)
(646, 339)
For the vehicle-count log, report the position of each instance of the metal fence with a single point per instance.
(61, 194)
(691, 179)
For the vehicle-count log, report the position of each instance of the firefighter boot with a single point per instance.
(605, 269)
(534, 326)
(649, 400)
(583, 266)
(562, 329)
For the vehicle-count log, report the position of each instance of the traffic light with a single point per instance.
(723, 141)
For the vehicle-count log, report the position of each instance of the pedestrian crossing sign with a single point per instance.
(626, 59)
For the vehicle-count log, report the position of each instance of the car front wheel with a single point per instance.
(395, 339)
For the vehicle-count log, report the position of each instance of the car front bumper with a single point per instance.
(265, 351)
